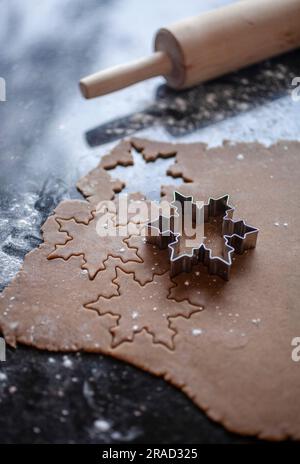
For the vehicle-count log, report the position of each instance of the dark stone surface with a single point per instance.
(58, 399)
(50, 136)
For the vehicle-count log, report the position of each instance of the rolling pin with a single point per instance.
(207, 46)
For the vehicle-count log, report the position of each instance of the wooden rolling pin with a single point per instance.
(204, 47)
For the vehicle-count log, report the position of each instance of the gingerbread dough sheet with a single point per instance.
(227, 345)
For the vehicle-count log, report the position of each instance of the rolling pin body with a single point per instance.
(210, 45)
(229, 38)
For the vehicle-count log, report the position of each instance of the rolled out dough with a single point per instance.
(227, 345)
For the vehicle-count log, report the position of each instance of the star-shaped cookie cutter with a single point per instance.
(238, 236)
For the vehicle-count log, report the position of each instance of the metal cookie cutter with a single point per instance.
(238, 236)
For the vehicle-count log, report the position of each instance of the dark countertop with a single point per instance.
(49, 137)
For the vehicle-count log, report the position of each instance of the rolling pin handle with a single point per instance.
(118, 77)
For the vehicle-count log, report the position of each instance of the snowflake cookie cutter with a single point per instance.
(237, 236)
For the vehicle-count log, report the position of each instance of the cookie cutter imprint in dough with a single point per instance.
(238, 236)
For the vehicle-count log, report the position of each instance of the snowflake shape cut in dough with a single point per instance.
(85, 240)
(143, 307)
